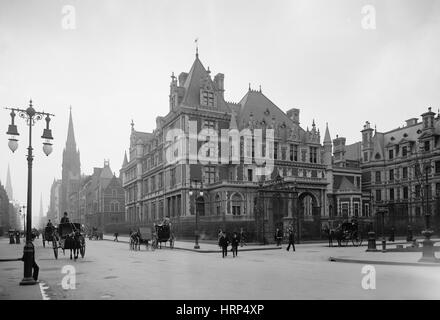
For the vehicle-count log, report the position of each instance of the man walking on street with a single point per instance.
(223, 243)
(242, 238)
(409, 234)
(234, 242)
(278, 237)
(291, 240)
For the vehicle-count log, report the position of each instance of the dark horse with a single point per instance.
(135, 241)
(74, 242)
(335, 234)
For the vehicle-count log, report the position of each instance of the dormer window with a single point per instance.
(208, 98)
(426, 145)
(404, 151)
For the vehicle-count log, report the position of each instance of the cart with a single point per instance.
(70, 236)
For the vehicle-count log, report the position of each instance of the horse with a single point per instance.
(74, 242)
(135, 241)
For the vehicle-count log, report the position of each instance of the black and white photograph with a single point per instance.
(219, 151)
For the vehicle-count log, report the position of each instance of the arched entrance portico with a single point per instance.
(309, 211)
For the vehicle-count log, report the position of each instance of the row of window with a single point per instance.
(405, 192)
(407, 150)
(405, 171)
(152, 161)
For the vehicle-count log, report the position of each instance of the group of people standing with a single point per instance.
(235, 241)
(238, 239)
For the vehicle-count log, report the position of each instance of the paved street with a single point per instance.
(111, 271)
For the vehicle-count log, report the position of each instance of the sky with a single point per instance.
(111, 60)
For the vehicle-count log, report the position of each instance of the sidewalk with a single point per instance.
(205, 246)
(11, 273)
(391, 256)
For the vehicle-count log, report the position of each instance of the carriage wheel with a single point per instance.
(55, 249)
(83, 251)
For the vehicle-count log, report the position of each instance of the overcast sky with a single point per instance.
(116, 65)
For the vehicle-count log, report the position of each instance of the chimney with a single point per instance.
(293, 115)
(411, 122)
(219, 80)
(182, 78)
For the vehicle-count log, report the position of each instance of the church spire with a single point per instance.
(9, 185)
(70, 142)
(327, 138)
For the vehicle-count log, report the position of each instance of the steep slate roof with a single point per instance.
(257, 103)
(353, 151)
(346, 185)
(196, 77)
(106, 173)
(144, 136)
(378, 145)
(397, 134)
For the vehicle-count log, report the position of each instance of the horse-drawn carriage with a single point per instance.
(50, 234)
(346, 232)
(158, 234)
(96, 234)
(70, 236)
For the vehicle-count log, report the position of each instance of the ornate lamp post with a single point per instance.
(428, 253)
(199, 192)
(31, 116)
(261, 208)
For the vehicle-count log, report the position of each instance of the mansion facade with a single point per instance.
(312, 184)
(401, 171)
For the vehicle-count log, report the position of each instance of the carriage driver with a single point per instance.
(65, 219)
(49, 224)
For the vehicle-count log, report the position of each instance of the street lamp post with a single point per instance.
(31, 116)
(428, 253)
(196, 244)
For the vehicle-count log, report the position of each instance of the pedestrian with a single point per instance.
(291, 240)
(116, 237)
(278, 237)
(242, 238)
(234, 243)
(392, 232)
(223, 243)
(17, 237)
(409, 234)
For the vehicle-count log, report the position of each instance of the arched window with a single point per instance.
(308, 205)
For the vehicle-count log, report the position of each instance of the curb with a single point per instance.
(204, 251)
(393, 263)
